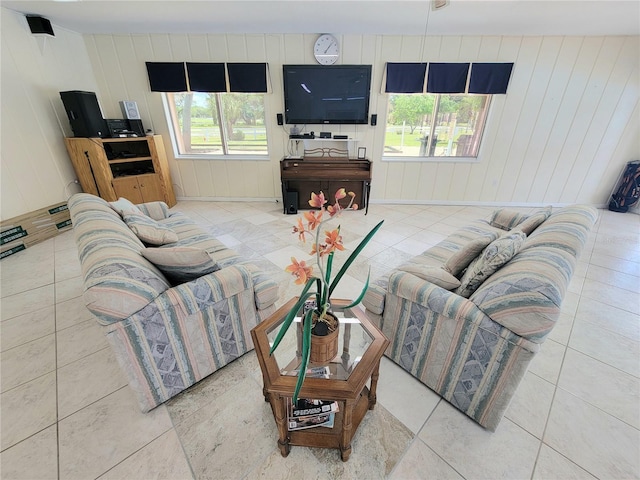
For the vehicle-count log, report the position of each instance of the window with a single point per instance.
(435, 125)
(218, 124)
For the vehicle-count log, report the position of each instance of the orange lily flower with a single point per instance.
(313, 219)
(299, 229)
(299, 270)
(317, 200)
(334, 241)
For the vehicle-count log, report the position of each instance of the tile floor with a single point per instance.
(66, 411)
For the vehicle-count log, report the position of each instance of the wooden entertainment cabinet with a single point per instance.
(325, 169)
(134, 168)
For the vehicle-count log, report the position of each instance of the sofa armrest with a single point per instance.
(198, 294)
(445, 304)
(156, 210)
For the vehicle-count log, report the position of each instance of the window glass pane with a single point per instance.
(244, 123)
(218, 124)
(435, 125)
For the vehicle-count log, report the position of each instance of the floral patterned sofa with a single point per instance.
(471, 341)
(169, 325)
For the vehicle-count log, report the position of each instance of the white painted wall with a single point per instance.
(562, 133)
(35, 169)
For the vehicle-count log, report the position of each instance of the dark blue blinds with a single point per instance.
(490, 78)
(167, 76)
(206, 77)
(405, 77)
(447, 77)
(485, 78)
(247, 77)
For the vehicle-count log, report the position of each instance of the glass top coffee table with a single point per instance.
(343, 379)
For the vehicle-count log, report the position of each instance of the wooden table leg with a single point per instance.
(280, 414)
(374, 385)
(347, 433)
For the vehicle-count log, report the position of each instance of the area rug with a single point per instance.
(227, 431)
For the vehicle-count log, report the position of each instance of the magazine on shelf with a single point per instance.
(313, 372)
(307, 407)
(311, 413)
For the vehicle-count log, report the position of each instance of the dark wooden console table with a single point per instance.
(306, 175)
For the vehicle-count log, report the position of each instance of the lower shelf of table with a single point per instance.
(332, 437)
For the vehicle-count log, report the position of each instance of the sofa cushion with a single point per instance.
(533, 221)
(148, 230)
(493, 257)
(463, 257)
(436, 275)
(506, 219)
(181, 264)
(123, 206)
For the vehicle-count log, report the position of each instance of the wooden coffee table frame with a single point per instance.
(352, 394)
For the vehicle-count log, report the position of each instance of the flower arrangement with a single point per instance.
(318, 319)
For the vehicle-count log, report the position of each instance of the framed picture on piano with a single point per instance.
(362, 153)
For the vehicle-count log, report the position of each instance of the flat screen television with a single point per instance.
(336, 94)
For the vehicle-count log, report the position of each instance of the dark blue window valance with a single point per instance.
(490, 78)
(247, 77)
(207, 77)
(167, 76)
(485, 78)
(447, 77)
(405, 77)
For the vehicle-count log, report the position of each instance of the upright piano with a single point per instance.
(309, 174)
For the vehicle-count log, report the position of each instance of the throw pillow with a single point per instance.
(148, 230)
(534, 220)
(181, 264)
(436, 275)
(124, 206)
(459, 260)
(493, 257)
(506, 219)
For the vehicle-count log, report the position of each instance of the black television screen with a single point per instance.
(336, 94)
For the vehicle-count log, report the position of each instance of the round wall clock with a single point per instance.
(326, 49)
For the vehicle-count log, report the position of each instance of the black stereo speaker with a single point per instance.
(291, 203)
(40, 25)
(374, 120)
(84, 114)
(136, 127)
(280, 119)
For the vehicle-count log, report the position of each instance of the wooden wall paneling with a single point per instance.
(410, 181)
(204, 171)
(570, 101)
(576, 136)
(488, 51)
(235, 171)
(218, 50)
(450, 49)
(392, 182)
(427, 181)
(512, 149)
(600, 187)
(443, 181)
(542, 141)
(199, 48)
(502, 131)
(484, 172)
(609, 121)
(533, 128)
(221, 179)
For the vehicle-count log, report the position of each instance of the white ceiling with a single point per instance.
(460, 17)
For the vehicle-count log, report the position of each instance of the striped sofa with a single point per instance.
(166, 337)
(475, 351)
